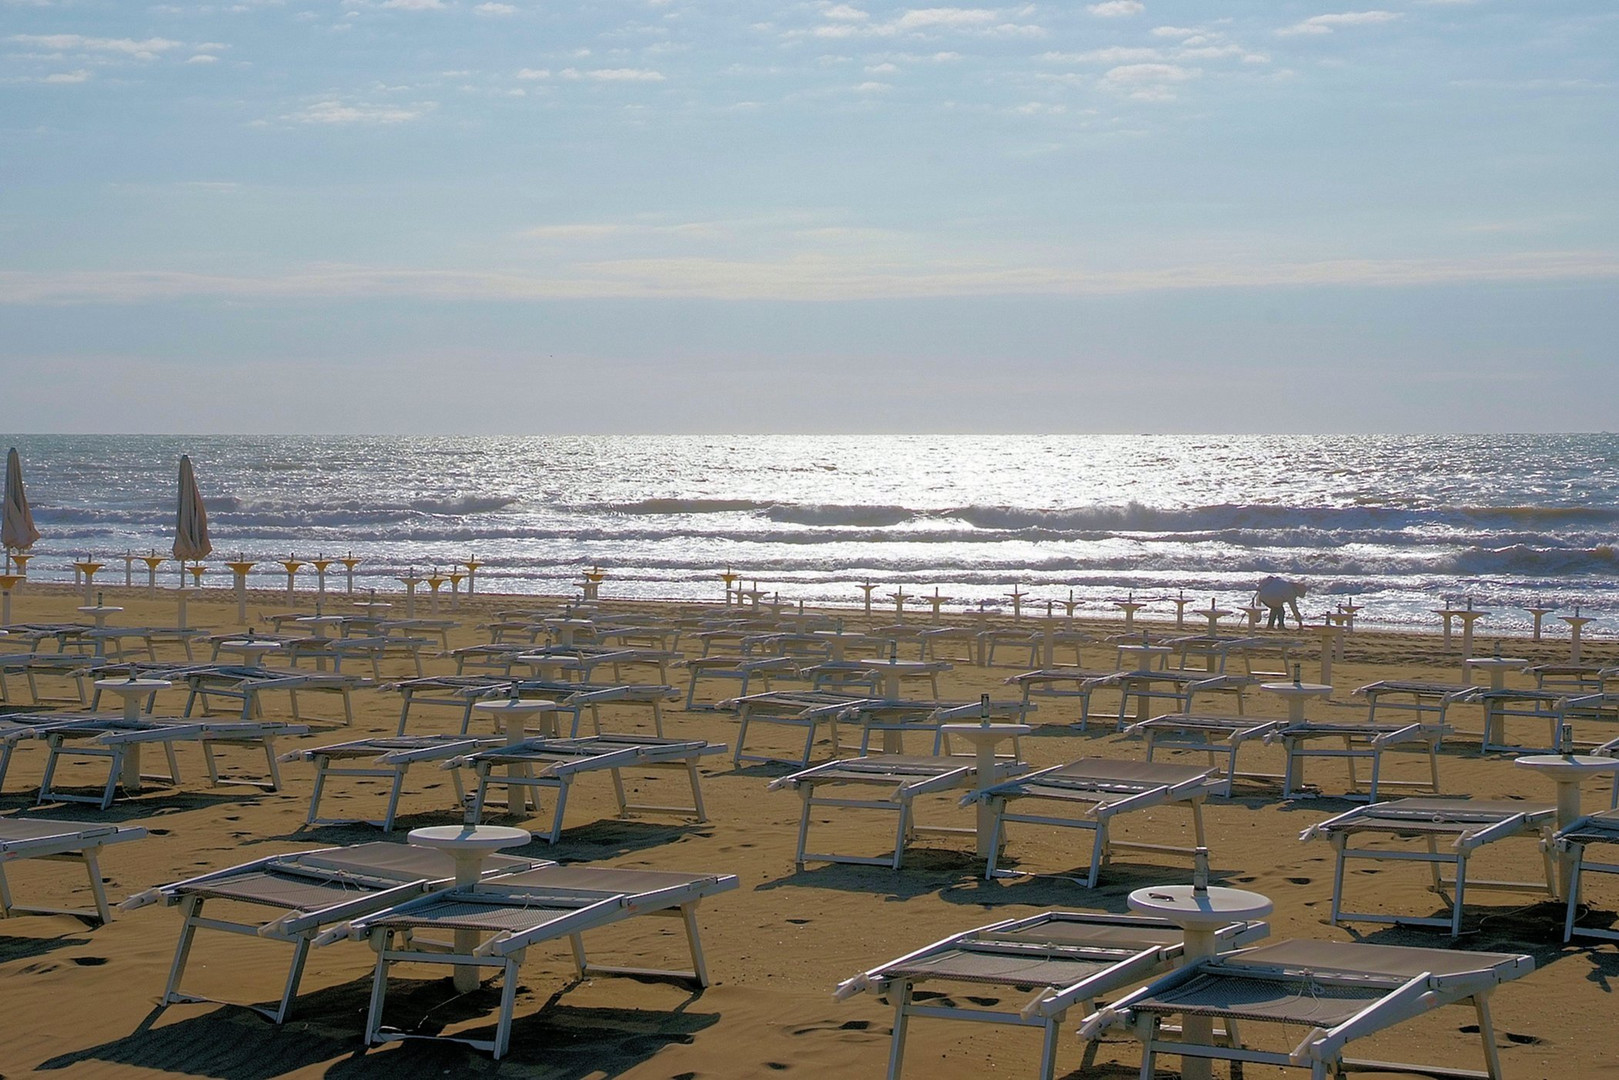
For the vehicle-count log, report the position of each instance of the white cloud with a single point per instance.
(533, 73)
(145, 49)
(873, 88)
(1174, 31)
(882, 69)
(1326, 24)
(1114, 9)
(842, 23)
(1117, 54)
(203, 58)
(337, 112)
(1147, 82)
(67, 78)
(495, 9)
(413, 5)
(614, 74)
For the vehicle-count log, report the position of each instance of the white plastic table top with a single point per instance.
(99, 612)
(132, 691)
(1563, 767)
(1497, 667)
(469, 840)
(1296, 694)
(1204, 912)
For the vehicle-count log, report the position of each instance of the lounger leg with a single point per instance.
(1461, 887)
(1576, 854)
(657, 719)
(1377, 768)
(741, 733)
(5, 895)
(618, 791)
(996, 824)
(270, 763)
(902, 833)
(1197, 822)
(562, 803)
(475, 811)
(1338, 842)
(1486, 1033)
(189, 907)
(696, 791)
(393, 798)
(379, 990)
(1087, 1007)
(92, 866)
(208, 762)
(1354, 781)
(1148, 1033)
(295, 974)
(508, 997)
(1048, 1047)
(1098, 847)
(321, 761)
(806, 794)
(699, 966)
(902, 1016)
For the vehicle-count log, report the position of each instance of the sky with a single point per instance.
(532, 216)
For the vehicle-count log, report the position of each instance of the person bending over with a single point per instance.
(1279, 594)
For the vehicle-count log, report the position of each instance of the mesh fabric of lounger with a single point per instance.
(1216, 735)
(1571, 844)
(554, 763)
(1463, 825)
(387, 763)
(304, 892)
(1338, 990)
(1068, 959)
(520, 911)
(900, 781)
(1095, 791)
(1359, 741)
(70, 841)
(249, 685)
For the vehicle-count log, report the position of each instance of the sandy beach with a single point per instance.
(82, 1002)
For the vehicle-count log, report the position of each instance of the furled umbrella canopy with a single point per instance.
(191, 526)
(18, 532)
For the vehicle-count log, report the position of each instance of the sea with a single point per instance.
(1399, 525)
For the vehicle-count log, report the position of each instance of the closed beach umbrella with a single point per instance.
(191, 525)
(18, 532)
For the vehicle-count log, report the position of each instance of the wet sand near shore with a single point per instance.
(78, 1002)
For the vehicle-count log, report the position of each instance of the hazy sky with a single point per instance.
(663, 215)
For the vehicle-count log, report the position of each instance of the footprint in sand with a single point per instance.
(89, 961)
(1298, 881)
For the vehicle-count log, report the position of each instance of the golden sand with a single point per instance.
(80, 1002)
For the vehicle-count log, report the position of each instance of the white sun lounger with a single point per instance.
(1424, 699)
(461, 692)
(807, 710)
(386, 764)
(120, 742)
(520, 911)
(305, 892)
(555, 763)
(1096, 790)
(901, 780)
(1338, 991)
(1068, 959)
(1050, 682)
(1571, 843)
(1216, 734)
(1464, 824)
(71, 841)
(1359, 741)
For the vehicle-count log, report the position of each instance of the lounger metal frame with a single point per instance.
(1468, 824)
(65, 841)
(1041, 952)
(1105, 789)
(1215, 734)
(378, 750)
(1395, 983)
(520, 911)
(1361, 742)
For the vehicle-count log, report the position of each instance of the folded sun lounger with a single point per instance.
(1068, 959)
(1338, 991)
(74, 841)
(304, 892)
(505, 917)
(1094, 791)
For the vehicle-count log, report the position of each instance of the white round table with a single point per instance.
(1332, 637)
(511, 714)
(253, 650)
(1296, 694)
(984, 737)
(1143, 655)
(1200, 915)
(1213, 615)
(1576, 625)
(470, 846)
(99, 612)
(1129, 607)
(1567, 770)
(893, 671)
(568, 629)
(133, 691)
